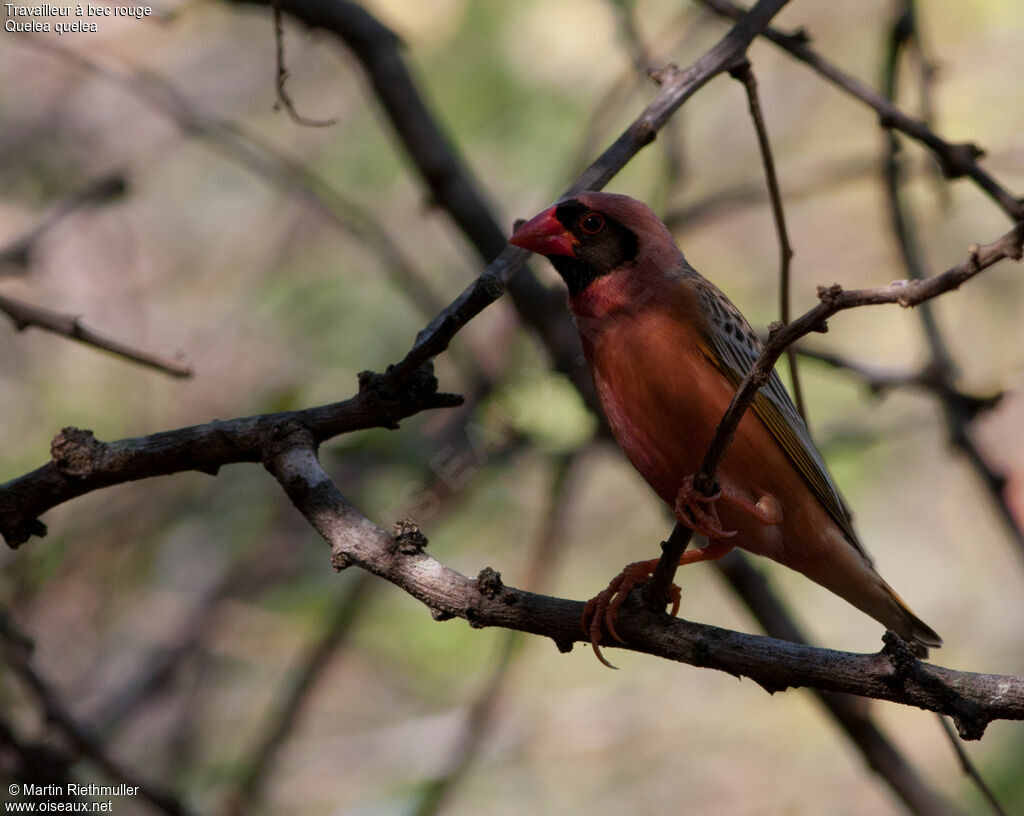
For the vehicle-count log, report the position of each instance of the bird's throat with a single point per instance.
(576, 273)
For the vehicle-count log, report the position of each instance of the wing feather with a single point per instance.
(733, 347)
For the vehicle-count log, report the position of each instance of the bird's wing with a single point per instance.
(733, 347)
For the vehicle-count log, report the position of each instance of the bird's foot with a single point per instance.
(698, 512)
(601, 611)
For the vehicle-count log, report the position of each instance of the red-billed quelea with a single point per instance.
(667, 350)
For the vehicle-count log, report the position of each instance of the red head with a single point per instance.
(592, 234)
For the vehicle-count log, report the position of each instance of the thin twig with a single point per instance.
(642, 58)
(745, 75)
(25, 315)
(656, 591)
(900, 218)
(18, 253)
(970, 769)
(927, 70)
(824, 178)
(956, 160)
(608, 109)
(283, 98)
(940, 358)
(880, 380)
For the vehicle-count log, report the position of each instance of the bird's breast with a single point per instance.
(663, 398)
(661, 395)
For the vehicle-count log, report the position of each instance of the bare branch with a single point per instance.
(970, 771)
(893, 674)
(833, 300)
(283, 99)
(80, 463)
(25, 315)
(849, 712)
(18, 253)
(879, 380)
(745, 75)
(901, 220)
(941, 364)
(956, 160)
(824, 178)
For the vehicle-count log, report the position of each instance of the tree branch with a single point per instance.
(893, 674)
(833, 300)
(452, 186)
(18, 253)
(849, 712)
(956, 160)
(25, 315)
(80, 463)
(941, 364)
(746, 75)
(283, 98)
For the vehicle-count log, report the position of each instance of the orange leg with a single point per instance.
(766, 509)
(690, 512)
(602, 610)
(703, 520)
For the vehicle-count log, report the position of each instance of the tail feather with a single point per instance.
(847, 573)
(902, 620)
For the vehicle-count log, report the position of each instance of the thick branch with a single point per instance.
(893, 674)
(80, 463)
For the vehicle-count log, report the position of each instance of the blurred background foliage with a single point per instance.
(278, 299)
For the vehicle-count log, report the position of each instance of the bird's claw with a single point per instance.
(703, 521)
(601, 611)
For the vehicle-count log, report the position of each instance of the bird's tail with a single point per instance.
(848, 574)
(899, 617)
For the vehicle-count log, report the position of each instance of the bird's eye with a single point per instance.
(592, 223)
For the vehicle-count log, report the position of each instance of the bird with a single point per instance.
(667, 350)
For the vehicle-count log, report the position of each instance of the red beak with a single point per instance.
(545, 235)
